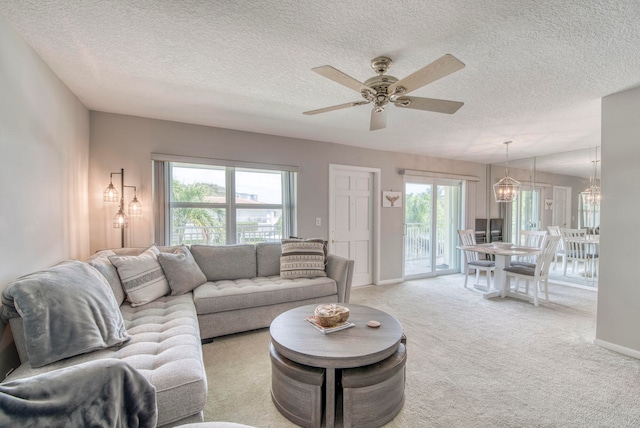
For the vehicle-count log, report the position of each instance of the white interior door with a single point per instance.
(562, 206)
(351, 219)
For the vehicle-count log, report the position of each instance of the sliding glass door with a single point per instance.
(432, 219)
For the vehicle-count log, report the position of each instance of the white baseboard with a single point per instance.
(389, 281)
(617, 348)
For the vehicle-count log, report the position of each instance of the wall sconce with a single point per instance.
(120, 220)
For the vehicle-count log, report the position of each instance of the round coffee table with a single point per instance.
(299, 341)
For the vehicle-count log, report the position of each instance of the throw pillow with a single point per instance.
(101, 262)
(303, 258)
(142, 277)
(181, 270)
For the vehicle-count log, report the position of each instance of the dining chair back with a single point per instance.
(530, 239)
(538, 275)
(577, 250)
(555, 231)
(471, 259)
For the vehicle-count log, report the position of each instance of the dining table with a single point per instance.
(502, 256)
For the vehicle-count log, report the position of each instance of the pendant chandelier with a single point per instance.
(592, 194)
(507, 189)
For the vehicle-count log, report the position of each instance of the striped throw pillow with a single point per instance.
(303, 258)
(142, 276)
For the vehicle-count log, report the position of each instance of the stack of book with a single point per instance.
(326, 330)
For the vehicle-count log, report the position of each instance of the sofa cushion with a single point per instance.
(101, 262)
(228, 295)
(303, 258)
(164, 347)
(268, 258)
(181, 270)
(142, 277)
(226, 262)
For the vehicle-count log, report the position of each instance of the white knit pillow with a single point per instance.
(142, 277)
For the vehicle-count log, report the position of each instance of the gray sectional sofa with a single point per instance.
(242, 290)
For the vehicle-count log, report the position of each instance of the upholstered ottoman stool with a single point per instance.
(373, 395)
(296, 390)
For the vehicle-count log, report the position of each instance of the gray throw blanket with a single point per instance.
(100, 393)
(67, 310)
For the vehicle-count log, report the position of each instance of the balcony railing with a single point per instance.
(250, 234)
(417, 243)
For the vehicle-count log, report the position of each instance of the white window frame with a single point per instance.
(163, 204)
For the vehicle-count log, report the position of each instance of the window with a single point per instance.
(222, 204)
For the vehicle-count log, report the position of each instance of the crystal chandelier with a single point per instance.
(507, 189)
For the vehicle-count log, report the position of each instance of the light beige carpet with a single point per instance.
(471, 362)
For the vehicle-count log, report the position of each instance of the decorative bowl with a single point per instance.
(331, 314)
(502, 245)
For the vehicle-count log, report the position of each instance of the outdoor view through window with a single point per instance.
(218, 205)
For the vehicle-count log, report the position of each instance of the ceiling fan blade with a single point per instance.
(338, 107)
(439, 68)
(339, 77)
(378, 119)
(429, 104)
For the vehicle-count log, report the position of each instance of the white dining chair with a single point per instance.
(471, 260)
(555, 231)
(538, 275)
(529, 239)
(577, 250)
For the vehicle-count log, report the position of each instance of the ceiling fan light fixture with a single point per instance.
(383, 89)
(381, 64)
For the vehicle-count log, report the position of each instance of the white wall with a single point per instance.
(44, 147)
(119, 141)
(618, 325)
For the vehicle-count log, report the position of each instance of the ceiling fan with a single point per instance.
(384, 89)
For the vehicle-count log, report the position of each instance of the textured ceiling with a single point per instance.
(535, 70)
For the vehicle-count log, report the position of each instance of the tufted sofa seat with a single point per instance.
(165, 347)
(244, 290)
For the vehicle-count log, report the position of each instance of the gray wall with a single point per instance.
(119, 141)
(619, 293)
(44, 146)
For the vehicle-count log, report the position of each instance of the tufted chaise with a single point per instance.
(165, 347)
